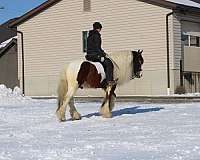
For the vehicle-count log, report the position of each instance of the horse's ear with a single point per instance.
(140, 51)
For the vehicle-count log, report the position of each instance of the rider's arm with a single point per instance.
(97, 42)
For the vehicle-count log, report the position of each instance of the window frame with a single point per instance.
(84, 41)
(188, 37)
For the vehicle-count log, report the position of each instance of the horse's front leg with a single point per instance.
(107, 107)
(108, 103)
(73, 112)
(105, 110)
(112, 102)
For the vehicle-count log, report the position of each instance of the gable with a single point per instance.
(170, 4)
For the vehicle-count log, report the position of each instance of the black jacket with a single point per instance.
(94, 43)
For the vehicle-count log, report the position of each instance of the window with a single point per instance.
(190, 40)
(86, 5)
(185, 39)
(84, 39)
(194, 41)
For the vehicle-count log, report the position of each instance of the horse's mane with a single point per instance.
(123, 69)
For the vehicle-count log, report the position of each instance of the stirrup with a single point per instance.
(112, 83)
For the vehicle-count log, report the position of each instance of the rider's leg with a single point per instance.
(109, 70)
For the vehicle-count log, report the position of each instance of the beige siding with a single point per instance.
(150, 84)
(182, 22)
(192, 59)
(178, 21)
(177, 41)
(177, 52)
(53, 38)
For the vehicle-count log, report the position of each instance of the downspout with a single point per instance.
(167, 38)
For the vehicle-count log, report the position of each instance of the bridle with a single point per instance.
(134, 66)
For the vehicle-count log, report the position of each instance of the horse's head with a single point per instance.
(137, 64)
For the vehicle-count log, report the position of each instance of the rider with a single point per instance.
(96, 54)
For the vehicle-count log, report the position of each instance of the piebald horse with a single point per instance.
(86, 74)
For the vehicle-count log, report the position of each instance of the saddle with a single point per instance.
(91, 75)
(100, 69)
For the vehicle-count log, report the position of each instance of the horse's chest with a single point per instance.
(88, 76)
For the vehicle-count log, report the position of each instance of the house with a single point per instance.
(8, 63)
(167, 30)
(5, 33)
(8, 55)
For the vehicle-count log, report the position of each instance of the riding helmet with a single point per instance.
(97, 25)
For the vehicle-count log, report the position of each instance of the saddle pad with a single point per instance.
(100, 69)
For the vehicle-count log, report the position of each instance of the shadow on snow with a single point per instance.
(131, 110)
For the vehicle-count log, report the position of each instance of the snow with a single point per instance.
(3, 44)
(9, 96)
(29, 130)
(186, 2)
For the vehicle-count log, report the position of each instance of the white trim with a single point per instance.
(189, 40)
(168, 91)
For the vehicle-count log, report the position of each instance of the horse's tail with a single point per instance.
(62, 89)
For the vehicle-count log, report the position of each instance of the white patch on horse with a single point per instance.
(100, 69)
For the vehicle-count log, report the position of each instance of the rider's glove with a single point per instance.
(102, 59)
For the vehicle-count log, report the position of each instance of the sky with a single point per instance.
(15, 8)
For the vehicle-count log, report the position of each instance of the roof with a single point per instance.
(3, 44)
(6, 33)
(197, 1)
(9, 21)
(188, 5)
(8, 46)
(186, 2)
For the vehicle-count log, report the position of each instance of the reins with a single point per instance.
(112, 61)
(133, 73)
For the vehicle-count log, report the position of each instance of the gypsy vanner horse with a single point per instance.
(86, 74)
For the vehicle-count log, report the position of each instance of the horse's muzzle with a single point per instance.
(138, 75)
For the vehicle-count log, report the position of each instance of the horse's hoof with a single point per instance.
(105, 112)
(75, 119)
(108, 115)
(60, 118)
(76, 116)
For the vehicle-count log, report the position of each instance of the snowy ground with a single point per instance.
(138, 131)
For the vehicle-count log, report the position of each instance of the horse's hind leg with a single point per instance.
(73, 112)
(61, 110)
